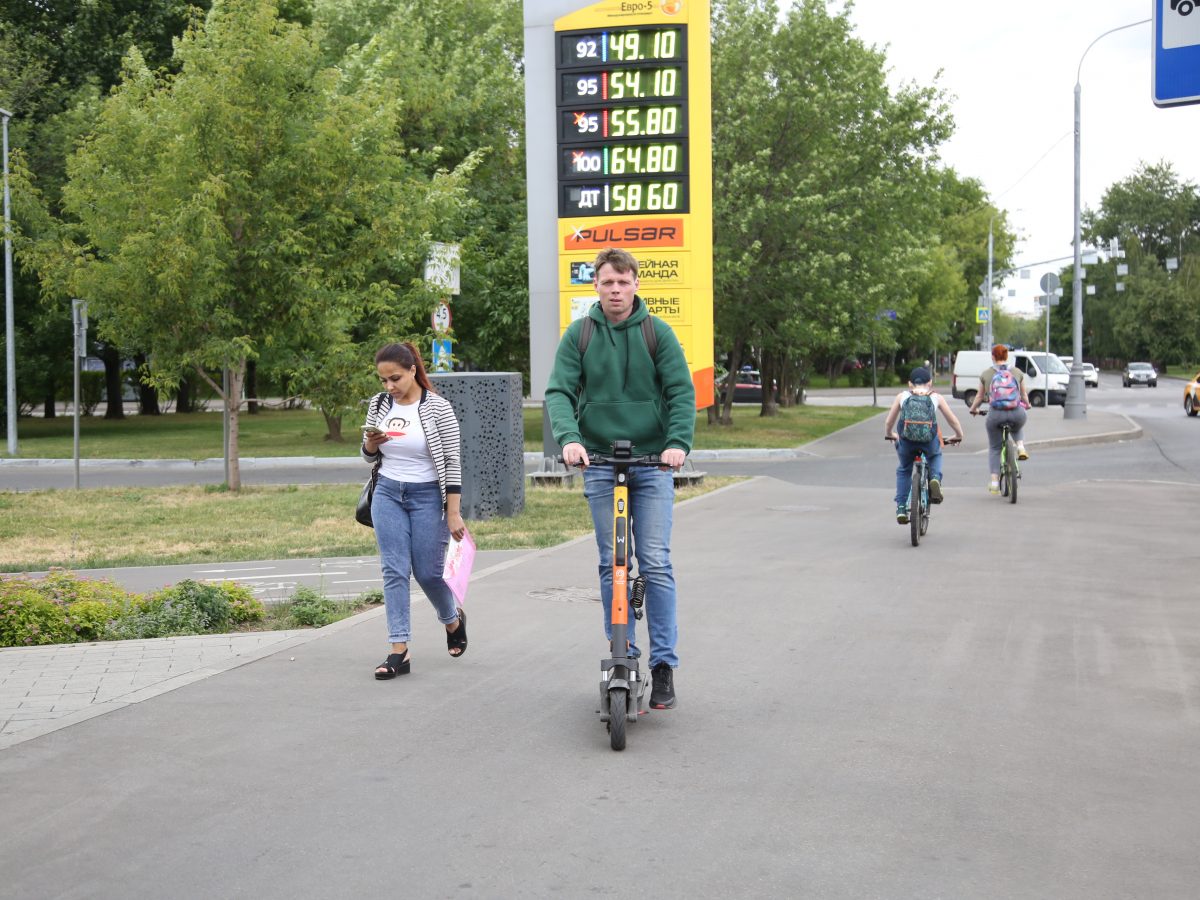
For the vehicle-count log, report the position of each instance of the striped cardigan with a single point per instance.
(441, 435)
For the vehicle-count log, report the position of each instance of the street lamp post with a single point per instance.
(10, 350)
(1076, 405)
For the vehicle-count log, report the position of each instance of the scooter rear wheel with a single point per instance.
(617, 704)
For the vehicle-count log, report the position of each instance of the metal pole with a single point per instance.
(1047, 366)
(987, 327)
(1076, 405)
(10, 347)
(225, 421)
(76, 322)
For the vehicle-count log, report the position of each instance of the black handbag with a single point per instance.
(362, 512)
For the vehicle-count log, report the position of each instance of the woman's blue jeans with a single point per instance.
(651, 499)
(412, 535)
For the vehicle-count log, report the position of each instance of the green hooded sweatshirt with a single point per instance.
(616, 391)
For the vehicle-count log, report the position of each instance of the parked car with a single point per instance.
(1139, 373)
(1091, 376)
(1191, 396)
(747, 387)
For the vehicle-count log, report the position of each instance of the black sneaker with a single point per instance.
(662, 696)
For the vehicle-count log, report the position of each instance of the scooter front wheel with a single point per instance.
(617, 704)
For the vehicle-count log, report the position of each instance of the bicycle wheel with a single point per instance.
(1010, 469)
(914, 503)
(1004, 467)
(616, 717)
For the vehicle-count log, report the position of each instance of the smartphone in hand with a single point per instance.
(373, 431)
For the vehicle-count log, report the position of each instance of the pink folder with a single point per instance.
(460, 557)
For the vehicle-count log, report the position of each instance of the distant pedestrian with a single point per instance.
(417, 501)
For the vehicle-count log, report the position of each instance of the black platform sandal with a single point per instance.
(395, 664)
(457, 639)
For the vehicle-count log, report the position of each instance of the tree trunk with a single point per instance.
(147, 394)
(48, 405)
(735, 361)
(333, 428)
(252, 387)
(183, 397)
(767, 375)
(112, 382)
(233, 402)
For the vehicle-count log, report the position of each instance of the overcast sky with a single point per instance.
(1011, 67)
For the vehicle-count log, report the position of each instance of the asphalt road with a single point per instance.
(1011, 710)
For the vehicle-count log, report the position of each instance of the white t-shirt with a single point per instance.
(406, 453)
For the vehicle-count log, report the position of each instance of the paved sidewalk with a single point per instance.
(43, 689)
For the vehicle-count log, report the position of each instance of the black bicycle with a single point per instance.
(918, 495)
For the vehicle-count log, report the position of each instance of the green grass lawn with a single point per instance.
(303, 433)
(105, 527)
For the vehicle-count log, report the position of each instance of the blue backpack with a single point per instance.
(918, 418)
(1004, 393)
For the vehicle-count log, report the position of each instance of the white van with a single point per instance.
(1045, 376)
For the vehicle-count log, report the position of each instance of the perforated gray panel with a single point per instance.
(488, 408)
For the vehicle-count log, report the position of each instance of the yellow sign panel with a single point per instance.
(981, 315)
(633, 88)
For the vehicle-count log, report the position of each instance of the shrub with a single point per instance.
(28, 619)
(163, 615)
(66, 588)
(243, 606)
(209, 599)
(89, 618)
(312, 609)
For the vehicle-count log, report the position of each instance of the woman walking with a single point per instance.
(416, 505)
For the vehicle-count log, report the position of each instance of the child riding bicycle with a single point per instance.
(912, 424)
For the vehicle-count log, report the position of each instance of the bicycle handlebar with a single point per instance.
(650, 460)
(947, 441)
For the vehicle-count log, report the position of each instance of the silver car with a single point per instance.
(1139, 373)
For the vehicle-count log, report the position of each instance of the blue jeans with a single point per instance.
(907, 451)
(412, 535)
(651, 499)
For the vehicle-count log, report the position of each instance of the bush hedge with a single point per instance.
(64, 608)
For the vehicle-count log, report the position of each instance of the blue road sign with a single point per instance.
(441, 355)
(1176, 66)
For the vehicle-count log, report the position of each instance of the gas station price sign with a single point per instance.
(632, 88)
(583, 48)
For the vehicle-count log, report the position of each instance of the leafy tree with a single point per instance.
(456, 70)
(822, 220)
(1155, 216)
(245, 200)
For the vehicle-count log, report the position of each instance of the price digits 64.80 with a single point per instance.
(625, 159)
